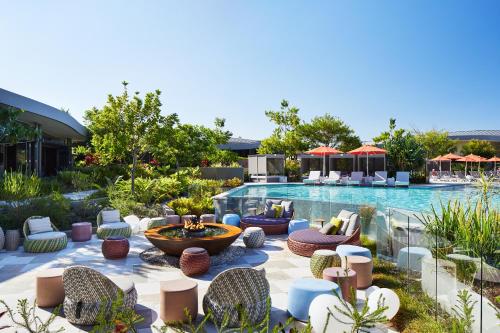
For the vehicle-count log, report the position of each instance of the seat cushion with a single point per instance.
(114, 225)
(287, 208)
(313, 236)
(40, 225)
(110, 216)
(261, 219)
(354, 224)
(47, 235)
(126, 285)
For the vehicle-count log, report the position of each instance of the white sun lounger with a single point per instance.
(314, 178)
(402, 178)
(356, 177)
(380, 178)
(333, 178)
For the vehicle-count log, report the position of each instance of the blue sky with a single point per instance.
(429, 64)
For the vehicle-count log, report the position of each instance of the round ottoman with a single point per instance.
(207, 218)
(175, 296)
(115, 247)
(81, 231)
(363, 267)
(173, 219)
(346, 280)
(353, 250)
(194, 261)
(156, 222)
(299, 224)
(322, 259)
(49, 288)
(254, 237)
(231, 219)
(303, 291)
(411, 258)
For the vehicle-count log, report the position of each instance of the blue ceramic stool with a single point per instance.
(231, 219)
(298, 224)
(353, 250)
(303, 291)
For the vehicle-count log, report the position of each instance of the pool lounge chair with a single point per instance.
(380, 178)
(333, 178)
(356, 178)
(314, 178)
(402, 179)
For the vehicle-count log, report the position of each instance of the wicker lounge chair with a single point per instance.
(111, 228)
(48, 241)
(356, 178)
(402, 178)
(247, 288)
(333, 178)
(380, 178)
(305, 242)
(87, 291)
(270, 225)
(314, 178)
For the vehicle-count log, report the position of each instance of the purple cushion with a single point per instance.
(313, 236)
(261, 219)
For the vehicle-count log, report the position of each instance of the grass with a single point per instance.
(416, 312)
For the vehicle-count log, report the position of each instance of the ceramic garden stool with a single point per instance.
(207, 218)
(299, 224)
(115, 247)
(363, 267)
(49, 287)
(353, 250)
(173, 219)
(345, 280)
(194, 261)
(156, 222)
(12, 239)
(177, 295)
(231, 219)
(411, 258)
(254, 237)
(81, 232)
(322, 259)
(303, 291)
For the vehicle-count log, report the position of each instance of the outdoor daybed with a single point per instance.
(41, 235)
(270, 224)
(305, 242)
(109, 223)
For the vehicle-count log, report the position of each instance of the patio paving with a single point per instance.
(18, 271)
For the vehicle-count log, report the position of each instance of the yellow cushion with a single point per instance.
(337, 223)
(278, 209)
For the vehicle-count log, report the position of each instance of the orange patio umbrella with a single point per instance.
(441, 159)
(495, 160)
(368, 150)
(452, 156)
(324, 151)
(472, 159)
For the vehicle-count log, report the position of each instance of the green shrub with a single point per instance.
(75, 180)
(292, 170)
(200, 188)
(147, 191)
(233, 182)
(17, 186)
(184, 206)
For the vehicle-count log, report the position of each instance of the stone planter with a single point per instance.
(12, 240)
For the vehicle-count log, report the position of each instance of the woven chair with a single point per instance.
(87, 292)
(118, 228)
(49, 241)
(238, 287)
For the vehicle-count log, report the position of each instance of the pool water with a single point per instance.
(414, 198)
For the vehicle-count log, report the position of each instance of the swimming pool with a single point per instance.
(415, 198)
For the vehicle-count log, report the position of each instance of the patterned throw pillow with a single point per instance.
(287, 208)
(270, 213)
(336, 223)
(270, 203)
(278, 210)
(325, 230)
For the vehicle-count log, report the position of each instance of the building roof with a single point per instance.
(53, 122)
(488, 135)
(240, 144)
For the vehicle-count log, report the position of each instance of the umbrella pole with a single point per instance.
(384, 162)
(366, 164)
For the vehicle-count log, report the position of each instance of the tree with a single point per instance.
(479, 147)
(435, 143)
(404, 152)
(125, 127)
(11, 130)
(286, 138)
(328, 130)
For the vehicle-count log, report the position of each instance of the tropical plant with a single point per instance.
(233, 182)
(479, 147)
(17, 186)
(463, 317)
(75, 180)
(116, 318)
(27, 319)
(13, 131)
(435, 143)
